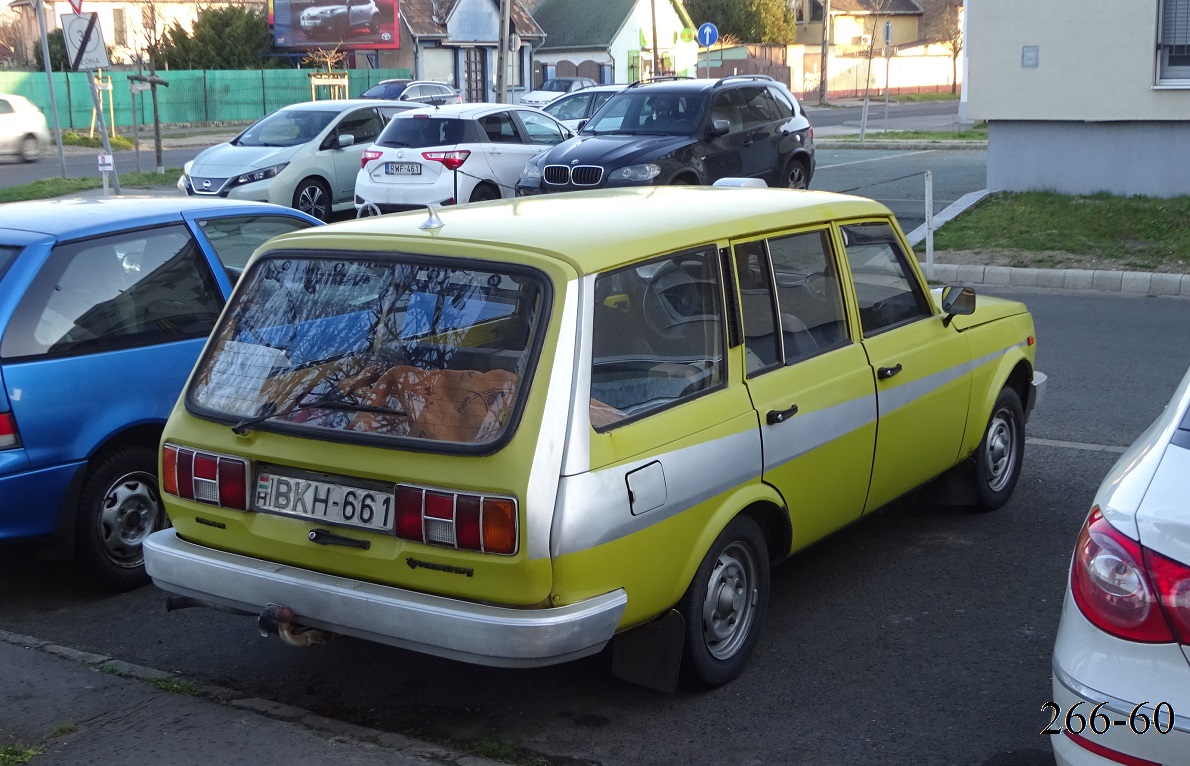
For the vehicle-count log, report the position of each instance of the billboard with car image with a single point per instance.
(346, 24)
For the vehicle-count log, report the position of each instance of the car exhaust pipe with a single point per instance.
(281, 621)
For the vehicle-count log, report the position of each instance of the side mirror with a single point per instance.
(720, 128)
(345, 140)
(957, 300)
(581, 124)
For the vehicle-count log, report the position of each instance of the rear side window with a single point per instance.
(235, 238)
(571, 107)
(7, 256)
(376, 349)
(420, 132)
(125, 290)
(364, 125)
(658, 336)
(500, 128)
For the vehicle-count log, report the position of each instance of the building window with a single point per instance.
(1173, 43)
(121, 26)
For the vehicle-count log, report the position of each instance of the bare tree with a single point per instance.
(951, 35)
(323, 58)
(11, 37)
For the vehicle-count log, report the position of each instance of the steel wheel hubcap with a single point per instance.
(127, 515)
(729, 604)
(1000, 450)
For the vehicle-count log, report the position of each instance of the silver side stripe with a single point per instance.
(892, 399)
(808, 431)
(593, 507)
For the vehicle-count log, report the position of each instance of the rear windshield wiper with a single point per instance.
(241, 428)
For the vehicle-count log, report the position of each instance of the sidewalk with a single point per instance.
(79, 709)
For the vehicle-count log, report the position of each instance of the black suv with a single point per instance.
(683, 131)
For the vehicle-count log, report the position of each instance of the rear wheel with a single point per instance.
(118, 508)
(313, 198)
(483, 193)
(797, 175)
(30, 149)
(725, 605)
(1001, 452)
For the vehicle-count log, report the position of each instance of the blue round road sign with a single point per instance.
(708, 35)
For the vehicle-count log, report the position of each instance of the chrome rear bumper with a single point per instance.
(445, 627)
(1037, 392)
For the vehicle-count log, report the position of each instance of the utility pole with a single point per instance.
(826, 50)
(656, 50)
(502, 53)
(49, 76)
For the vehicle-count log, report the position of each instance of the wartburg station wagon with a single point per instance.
(511, 432)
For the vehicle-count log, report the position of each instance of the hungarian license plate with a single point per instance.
(402, 168)
(348, 504)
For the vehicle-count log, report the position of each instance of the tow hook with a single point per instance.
(281, 621)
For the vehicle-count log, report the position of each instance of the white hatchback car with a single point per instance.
(555, 87)
(1121, 668)
(303, 156)
(23, 131)
(575, 108)
(452, 153)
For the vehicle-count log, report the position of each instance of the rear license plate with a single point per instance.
(332, 502)
(402, 168)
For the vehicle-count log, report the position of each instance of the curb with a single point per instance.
(218, 695)
(898, 145)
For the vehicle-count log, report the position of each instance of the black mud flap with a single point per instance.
(650, 655)
(956, 487)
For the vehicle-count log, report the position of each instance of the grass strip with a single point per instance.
(973, 134)
(70, 138)
(58, 187)
(1137, 232)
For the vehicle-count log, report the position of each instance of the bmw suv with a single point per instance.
(683, 131)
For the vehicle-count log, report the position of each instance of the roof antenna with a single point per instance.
(433, 222)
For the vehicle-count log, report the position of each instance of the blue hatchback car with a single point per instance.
(104, 307)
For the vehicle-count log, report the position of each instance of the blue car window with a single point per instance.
(129, 289)
(7, 256)
(235, 237)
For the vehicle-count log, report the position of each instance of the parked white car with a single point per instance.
(23, 131)
(452, 153)
(1121, 668)
(303, 156)
(555, 87)
(575, 108)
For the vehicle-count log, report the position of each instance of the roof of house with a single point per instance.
(882, 7)
(579, 24)
(427, 18)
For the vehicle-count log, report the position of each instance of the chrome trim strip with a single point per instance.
(1115, 704)
(577, 457)
(593, 508)
(444, 627)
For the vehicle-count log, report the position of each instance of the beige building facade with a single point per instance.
(1082, 96)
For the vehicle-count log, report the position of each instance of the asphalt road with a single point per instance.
(824, 117)
(921, 635)
(81, 165)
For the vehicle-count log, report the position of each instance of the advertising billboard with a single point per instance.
(348, 24)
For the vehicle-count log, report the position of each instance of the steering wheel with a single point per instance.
(684, 123)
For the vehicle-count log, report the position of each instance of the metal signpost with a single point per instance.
(86, 50)
(106, 165)
(887, 59)
(45, 58)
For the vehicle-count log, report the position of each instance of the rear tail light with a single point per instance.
(1172, 581)
(205, 477)
(453, 160)
(1112, 588)
(457, 520)
(9, 438)
(368, 156)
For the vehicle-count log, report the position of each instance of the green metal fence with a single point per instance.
(193, 96)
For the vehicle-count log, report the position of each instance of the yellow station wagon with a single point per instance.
(511, 432)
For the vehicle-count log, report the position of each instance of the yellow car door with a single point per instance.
(810, 382)
(920, 363)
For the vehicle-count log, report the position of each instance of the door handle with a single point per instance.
(884, 373)
(780, 416)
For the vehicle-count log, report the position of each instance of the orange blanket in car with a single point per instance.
(464, 406)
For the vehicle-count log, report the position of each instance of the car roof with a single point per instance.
(593, 88)
(336, 105)
(575, 227)
(699, 84)
(463, 111)
(68, 218)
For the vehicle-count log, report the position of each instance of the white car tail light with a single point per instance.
(368, 156)
(205, 477)
(453, 160)
(1172, 581)
(1112, 588)
(457, 520)
(8, 431)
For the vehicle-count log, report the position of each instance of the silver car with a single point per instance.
(303, 156)
(23, 131)
(1121, 667)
